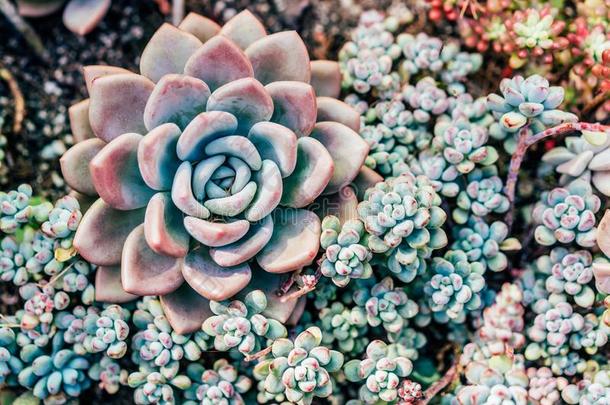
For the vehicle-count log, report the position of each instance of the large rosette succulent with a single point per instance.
(205, 162)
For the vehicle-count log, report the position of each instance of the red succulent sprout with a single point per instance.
(205, 165)
(535, 33)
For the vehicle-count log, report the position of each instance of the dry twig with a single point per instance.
(10, 12)
(13, 86)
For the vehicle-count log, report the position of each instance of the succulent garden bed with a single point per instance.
(297, 202)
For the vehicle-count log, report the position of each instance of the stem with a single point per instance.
(595, 102)
(58, 275)
(526, 140)
(10, 12)
(177, 11)
(258, 355)
(13, 86)
(438, 386)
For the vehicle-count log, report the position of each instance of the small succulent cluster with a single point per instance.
(237, 234)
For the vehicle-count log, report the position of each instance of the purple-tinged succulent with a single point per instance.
(503, 321)
(63, 221)
(426, 99)
(107, 332)
(109, 375)
(567, 215)
(236, 145)
(342, 328)
(483, 196)
(10, 363)
(19, 207)
(153, 387)
(544, 388)
(595, 391)
(220, 385)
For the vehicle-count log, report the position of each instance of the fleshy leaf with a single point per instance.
(157, 158)
(218, 62)
(177, 99)
(116, 176)
(295, 241)
(243, 29)
(204, 128)
(311, 175)
(144, 272)
(102, 232)
(326, 78)
(79, 121)
(247, 247)
(182, 193)
(277, 143)
(215, 234)
(365, 179)
(163, 227)
(212, 281)
(348, 151)
(246, 99)
(167, 52)
(117, 104)
(232, 205)
(278, 57)
(92, 72)
(331, 109)
(601, 271)
(603, 233)
(343, 205)
(108, 287)
(82, 16)
(236, 146)
(201, 27)
(75, 165)
(185, 309)
(38, 9)
(294, 106)
(268, 194)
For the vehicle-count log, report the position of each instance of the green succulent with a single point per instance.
(241, 325)
(300, 369)
(220, 385)
(342, 330)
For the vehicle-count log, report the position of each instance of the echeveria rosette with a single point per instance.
(544, 387)
(241, 325)
(569, 273)
(63, 221)
(530, 101)
(107, 332)
(300, 369)
(405, 208)
(382, 373)
(153, 387)
(463, 144)
(455, 287)
(222, 384)
(236, 144)
(567, 215)
(589, 391)
(483, 195)
(441, 174)
(10, 363)
(346, 255)
(485, 243)
(108, 374)
(384, 305)
(20, 207)
(56, 377)
(426, 99)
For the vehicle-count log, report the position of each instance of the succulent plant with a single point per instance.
(109, 375)
(464, 145)
(72, 326)
(56, 377)
(10, 364)
(346, 256)
(343, 329)
(63, 220)
(17, 262)
(236, 146)
(107, 332)
(483, 196)
(152, 387)
(404, 208)
(383, 372)
(426, 99)
(384, 305)
(300, 369)
(589, 392)
(544, 388)
(535, 33)
(221, 384)
(592, 337)
(567, 215)
(530, 101)
(569, 273)
(40, 307)
(485, 243)
(79, 16)
(19, 207)
(421, 52)
(584, 157)
(455, 286)
(241, 325)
